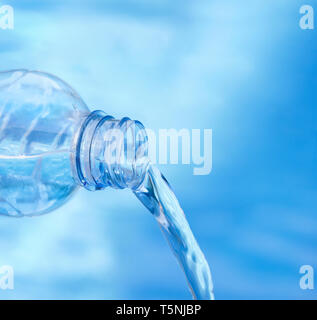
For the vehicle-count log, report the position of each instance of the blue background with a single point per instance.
(244, 69)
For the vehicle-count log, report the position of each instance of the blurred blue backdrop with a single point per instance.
(244, 69)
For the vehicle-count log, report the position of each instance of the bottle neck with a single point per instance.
(110, 152)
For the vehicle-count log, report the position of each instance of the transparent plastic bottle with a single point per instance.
(50, 143)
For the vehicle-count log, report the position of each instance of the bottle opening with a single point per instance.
(110, 152)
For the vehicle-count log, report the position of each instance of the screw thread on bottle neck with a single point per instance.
(110, 152)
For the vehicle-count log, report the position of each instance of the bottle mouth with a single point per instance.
(110, 152)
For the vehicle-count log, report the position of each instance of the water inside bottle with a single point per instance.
(157, 196)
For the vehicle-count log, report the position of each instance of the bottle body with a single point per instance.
(39, 115)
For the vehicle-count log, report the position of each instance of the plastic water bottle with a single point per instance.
(50, 143)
